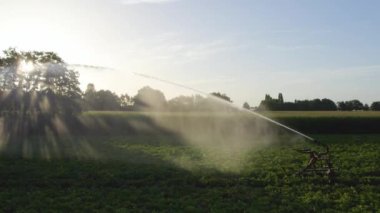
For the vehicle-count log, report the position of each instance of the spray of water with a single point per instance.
(229, 103)
(86, 66)
(224, 140)
(203, 93)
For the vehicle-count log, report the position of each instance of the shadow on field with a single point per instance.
(52, 137)
(110, 163)
(80, 167)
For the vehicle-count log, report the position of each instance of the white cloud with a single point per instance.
(173, 49)
(131, 2)
(295, 47)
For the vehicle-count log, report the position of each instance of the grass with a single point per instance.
(148, 171)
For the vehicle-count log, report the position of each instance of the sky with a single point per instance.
(304, 49)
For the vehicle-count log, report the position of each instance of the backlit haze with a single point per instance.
(244, 48)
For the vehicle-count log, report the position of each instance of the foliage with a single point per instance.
(375, 106)
(197, 103)
(182, 103)
(221, 96)
(350, 105)
(148, 99)
(299, 105)
(280, 98)
(105, 100)
(126, 102)
(48, 80)
(49, 73)
(246, 105)
(102, 100)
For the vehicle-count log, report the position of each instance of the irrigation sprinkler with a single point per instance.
(319, 162)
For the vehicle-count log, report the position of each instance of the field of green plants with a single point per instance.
(134, 162)
(331, 122)
(336, 114)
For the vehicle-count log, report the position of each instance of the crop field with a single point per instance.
(144, 162)
(335, 114)
(332, 122)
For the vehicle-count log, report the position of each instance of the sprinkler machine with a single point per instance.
(319, 163)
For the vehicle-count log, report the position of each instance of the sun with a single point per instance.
(26, 66)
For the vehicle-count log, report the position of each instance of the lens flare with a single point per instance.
(26, 66)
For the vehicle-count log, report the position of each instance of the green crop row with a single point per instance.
(333, 125)
(308, 122)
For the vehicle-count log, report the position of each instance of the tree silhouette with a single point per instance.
(106, 100)
(350, 105)
(366, 107)
(375, 106)
(39, 95)
(221, 96)
(48, 80)
(246, 105)
(280, 98)
(103, 100)
(182, 103)
(301, 105)
(148, 99)
(89, 97)
(125, 102)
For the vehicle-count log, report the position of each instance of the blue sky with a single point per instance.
(245, 48)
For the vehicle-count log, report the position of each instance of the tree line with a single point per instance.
(51, 88)
(149, 99)
(324, 104)
(37, 86)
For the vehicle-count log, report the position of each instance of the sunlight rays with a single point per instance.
(26, 66)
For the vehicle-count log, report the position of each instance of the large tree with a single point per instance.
(280, 98)
(43, 77)
(39, 94)
(125, 102)
(89, 97)
(148, 99)
(375, 106)
(106, 100)
(246, 106)
(102, 100)
(182, 103)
